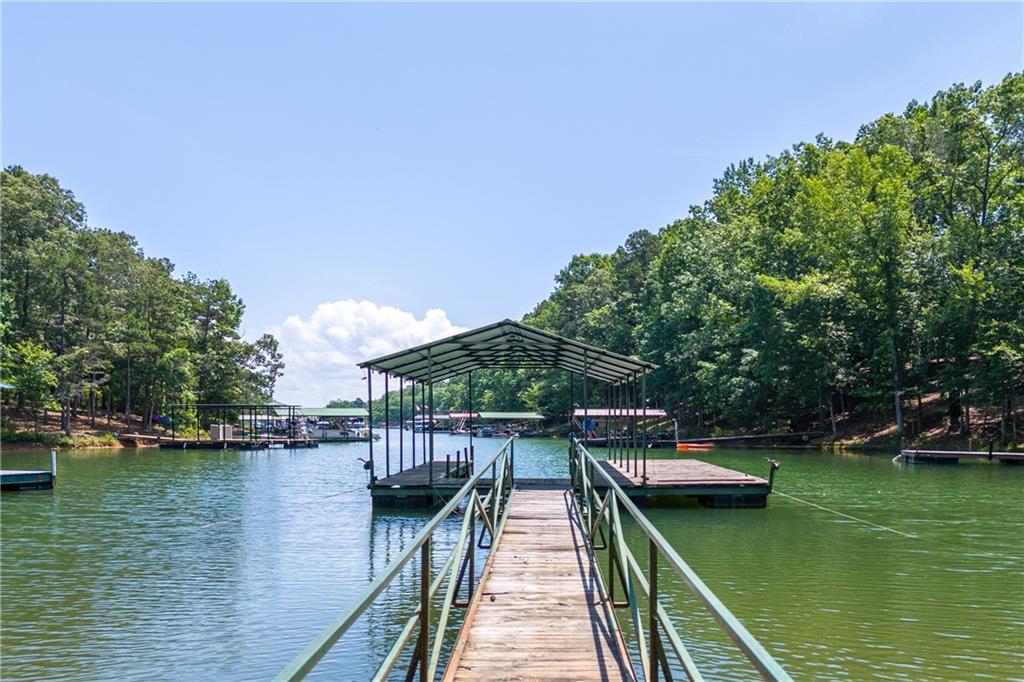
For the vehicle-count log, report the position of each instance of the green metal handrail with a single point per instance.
(461, 561)
(598, 512)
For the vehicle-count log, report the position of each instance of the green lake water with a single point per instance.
(203, 565)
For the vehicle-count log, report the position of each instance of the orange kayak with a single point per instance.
(683, 447)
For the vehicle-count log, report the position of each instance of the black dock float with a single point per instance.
(954, 456)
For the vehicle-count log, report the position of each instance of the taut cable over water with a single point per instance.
(845, 515)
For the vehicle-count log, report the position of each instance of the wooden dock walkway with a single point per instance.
(539, 613)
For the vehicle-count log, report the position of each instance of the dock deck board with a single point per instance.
(419, 475)
(539, 613)
(680, 473)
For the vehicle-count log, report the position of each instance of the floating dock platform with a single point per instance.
(710, 484)
(954, 456)
(13, 479)
(419, 487)
(239, 444)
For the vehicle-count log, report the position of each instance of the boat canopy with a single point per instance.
(619, 412)
(506, 344)
(324, 412)
(512, 416)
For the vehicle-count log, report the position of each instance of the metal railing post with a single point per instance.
(472, 548)
(424, 653)
(652, 608)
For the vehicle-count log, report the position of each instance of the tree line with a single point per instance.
(89, 324)
(835, 278)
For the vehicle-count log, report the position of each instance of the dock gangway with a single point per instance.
(541, 607)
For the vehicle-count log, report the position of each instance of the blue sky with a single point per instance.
(447, 157)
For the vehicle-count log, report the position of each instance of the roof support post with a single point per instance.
(387, 423)
(471, 410)
(608, 419)
(423, 427)
(401, 430)
(572, 398)
(586, 425)
(412, 407)
(632, 419)
(430, 378)
(618, 420)
(369, 418)
(643, 403)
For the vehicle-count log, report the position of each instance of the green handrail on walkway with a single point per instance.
(598, 512)
(426, 658)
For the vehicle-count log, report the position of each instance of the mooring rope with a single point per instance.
(848, 516)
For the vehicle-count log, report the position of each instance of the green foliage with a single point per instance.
(853, 274)
(28, 366)
(56, 440)
(108, 325)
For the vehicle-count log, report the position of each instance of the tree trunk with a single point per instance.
(1004, 417)
(1013, 410)
(128, 393)
(967, 412)
(955, 411)
(832, 413)
(898, 403)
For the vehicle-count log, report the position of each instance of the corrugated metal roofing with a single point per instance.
(324, 412)
(506, 344)
(619, 412)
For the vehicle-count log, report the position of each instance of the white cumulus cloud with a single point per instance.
(321, 352)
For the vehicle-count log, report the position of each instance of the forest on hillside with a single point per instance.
(835, 278)
(90, 325)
